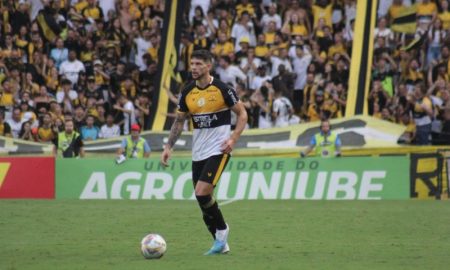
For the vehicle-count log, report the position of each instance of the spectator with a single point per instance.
(316, 109)
(59, 54)
(243, 28)
(5, 128)
(45, 130)
(109, 129)
(271, 16)
(142, 105)
(260, 78)
(67, 95)
(89, 132)
(301, 58)
(261, 100)
(126, 107)
(282, 109)
(16, 122)
(71, 67)
(25, 132)
(422, 113)
(230, 73)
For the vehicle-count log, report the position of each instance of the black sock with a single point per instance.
(210, 208)
(210, 224)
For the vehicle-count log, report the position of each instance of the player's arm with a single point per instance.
(241, 122)
(175, 132)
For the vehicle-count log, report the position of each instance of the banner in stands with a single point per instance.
(365, 178)
(355, 132)
(31, 178)
(358, 131)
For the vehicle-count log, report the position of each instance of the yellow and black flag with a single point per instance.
(405, 22)
(362, 54)
(48, 24)
(168, 76)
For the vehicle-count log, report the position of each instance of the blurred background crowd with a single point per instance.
(95, 61)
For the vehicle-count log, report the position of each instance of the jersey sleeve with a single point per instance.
(182, 105)
(230, 96)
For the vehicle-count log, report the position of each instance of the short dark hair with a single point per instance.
(202, 55)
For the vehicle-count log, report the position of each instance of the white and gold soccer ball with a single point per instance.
(153, 246)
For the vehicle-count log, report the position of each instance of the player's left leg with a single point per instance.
(204, 192)
(209, 206)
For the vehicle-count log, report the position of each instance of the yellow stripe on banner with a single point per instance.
(4, 168)
(355, 64)
(163, 102)
(370, 57)
(220, 170)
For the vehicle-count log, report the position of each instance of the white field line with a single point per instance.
(228, 202)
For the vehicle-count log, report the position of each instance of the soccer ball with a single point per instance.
(153, 246)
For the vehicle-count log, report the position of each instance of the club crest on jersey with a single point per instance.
(201, 102)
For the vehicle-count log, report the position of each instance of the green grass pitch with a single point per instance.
(72, 234)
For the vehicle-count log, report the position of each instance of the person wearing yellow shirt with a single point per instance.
(413, 72)
(322, 9)
(262, 49)
(82, 4)
(45, 130)
(444, 15)
(409, 134)
(337, 47)
(422, 113)
(153, 49)
(270, 33)
(315, 110)
(6, 95)
(426, 8)
(146, 3)
(295, 26)
(223, 47)
(92, 11)
(5, 128)
(396, 9)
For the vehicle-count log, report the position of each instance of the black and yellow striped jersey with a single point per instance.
(209, 108)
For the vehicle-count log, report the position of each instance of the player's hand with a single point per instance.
(165, 156)
(227, 146)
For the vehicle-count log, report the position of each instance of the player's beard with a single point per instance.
(200, 76)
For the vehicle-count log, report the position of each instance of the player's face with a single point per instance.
(199, 68)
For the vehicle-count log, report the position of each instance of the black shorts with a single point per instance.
(209, 170)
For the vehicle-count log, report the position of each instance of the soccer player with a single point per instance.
(209, 102)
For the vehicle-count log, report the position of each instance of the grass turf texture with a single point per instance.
(71, 234)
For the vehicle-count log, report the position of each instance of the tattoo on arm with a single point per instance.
(176, 129)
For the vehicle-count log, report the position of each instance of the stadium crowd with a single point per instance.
(95, 61)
